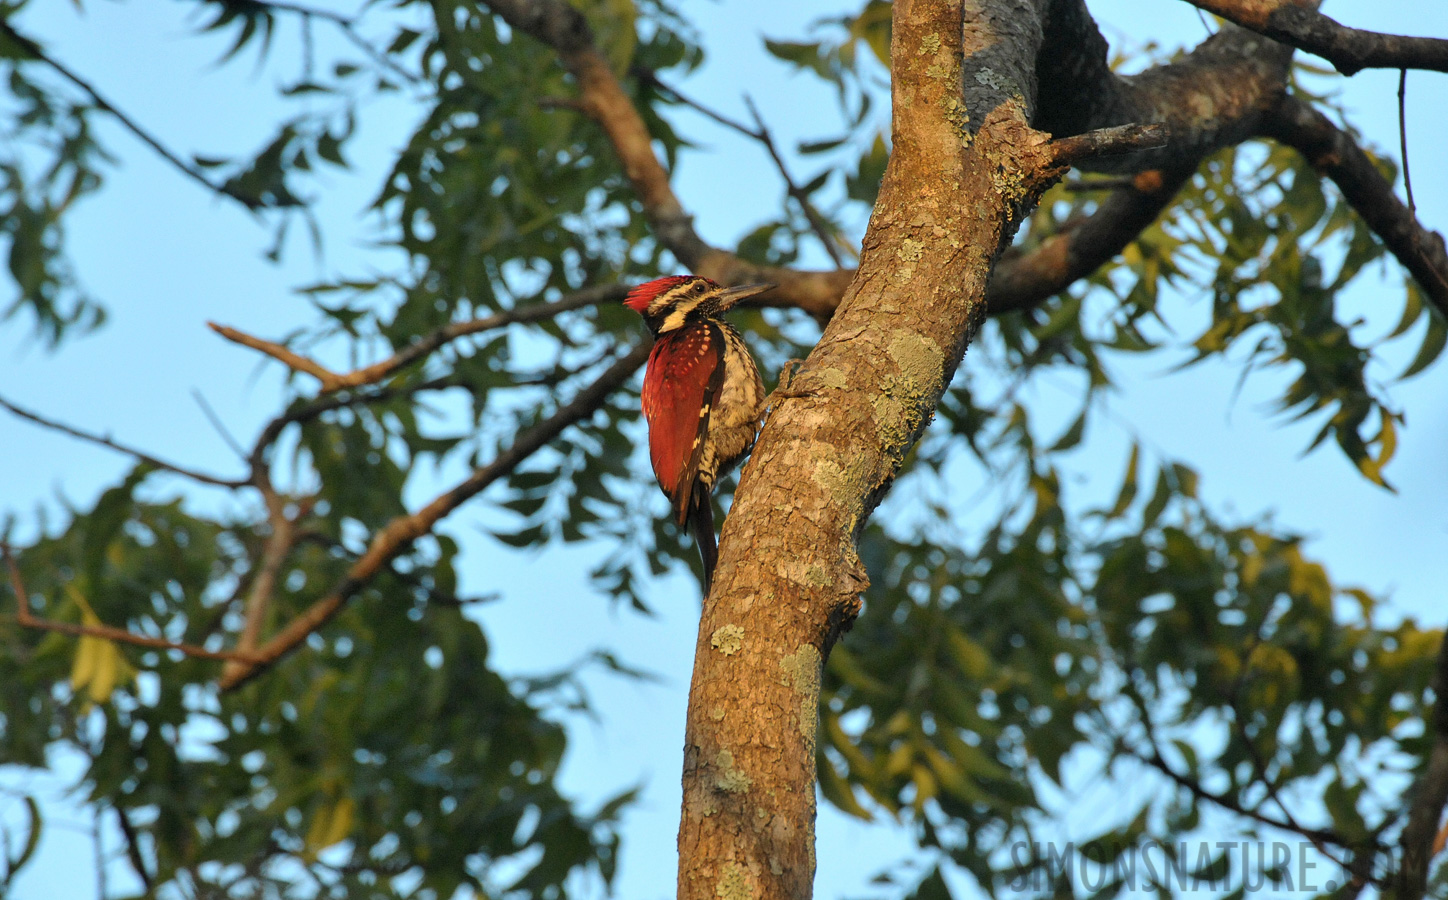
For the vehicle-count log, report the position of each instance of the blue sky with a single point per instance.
(165, 256)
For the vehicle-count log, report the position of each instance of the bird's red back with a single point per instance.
(684, 374)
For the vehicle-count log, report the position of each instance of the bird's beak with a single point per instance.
(731, 296)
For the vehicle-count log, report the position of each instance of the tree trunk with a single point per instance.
(964, 168)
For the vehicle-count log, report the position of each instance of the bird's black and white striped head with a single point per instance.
(669, 303)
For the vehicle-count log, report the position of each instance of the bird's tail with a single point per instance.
(701, 517)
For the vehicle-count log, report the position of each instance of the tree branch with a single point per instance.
(423, 346)
(1210, 98)
(1315, 835)
(25, 618)
(104, 441)
(398, 535)
(1350, 50)
(1335, 154)
(263, 585)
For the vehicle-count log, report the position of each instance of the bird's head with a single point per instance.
(674, 301)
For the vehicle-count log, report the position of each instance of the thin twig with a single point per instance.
(529, 312)
(401, 532)
(648, 77)
(24, 617)
(104, 441)
(1403, 136)
(816, 221)
(348, 27)
(36, 52)
(133, 848)
(226, 436)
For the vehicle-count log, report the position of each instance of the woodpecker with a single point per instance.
(702, 394)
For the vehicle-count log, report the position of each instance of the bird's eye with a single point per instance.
(699, 288)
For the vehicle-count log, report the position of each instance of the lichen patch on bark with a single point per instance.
(731, 778)
(727, 639)
(734, 884)
(802, 672)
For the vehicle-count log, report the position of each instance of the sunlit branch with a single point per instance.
(103, 441)
(399, 534)
(1350, 50)
(1118, 140)
(423, 346)
(263, 584)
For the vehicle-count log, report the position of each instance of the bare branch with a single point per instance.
(133, 848)
(1316, 835)
(104, 441)
(1115, 141)
(25, 618)
(292, 360)
(274, 553)
(1335, 154)
(531, 312)
(398, 535)
(1350, 50)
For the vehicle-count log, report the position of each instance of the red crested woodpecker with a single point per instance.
(702, 394)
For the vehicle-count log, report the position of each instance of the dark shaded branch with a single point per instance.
(33, 50)
(25, 618)
(1315, 835)
(1210, 98)
(398, 535)
(1429, 793)
(1335, 154)
(133, 848)
(1350, 50)
(104, 441)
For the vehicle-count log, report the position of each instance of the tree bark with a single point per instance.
(964, 169)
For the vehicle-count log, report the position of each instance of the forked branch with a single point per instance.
(399, 534)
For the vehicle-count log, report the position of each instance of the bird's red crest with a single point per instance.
(640, 297)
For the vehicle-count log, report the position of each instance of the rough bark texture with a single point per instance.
(1210, 98)
(789, 579)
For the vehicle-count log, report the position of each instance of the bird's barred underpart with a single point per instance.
(702, 393)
